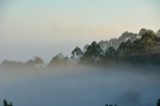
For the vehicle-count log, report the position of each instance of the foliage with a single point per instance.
(93, 54)
(5, 103)
(158, 102)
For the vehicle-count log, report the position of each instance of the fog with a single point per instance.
(81, 86)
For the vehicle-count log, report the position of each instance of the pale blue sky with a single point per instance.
(47, 27)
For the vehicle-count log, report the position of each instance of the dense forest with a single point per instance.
(130, 48)
(142, 48)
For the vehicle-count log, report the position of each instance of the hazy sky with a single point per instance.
(47, 27)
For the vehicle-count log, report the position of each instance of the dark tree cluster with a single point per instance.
(5, 103)
(142, 50)
(158, 102)
(93, 54)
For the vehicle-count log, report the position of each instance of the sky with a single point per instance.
(45, 28)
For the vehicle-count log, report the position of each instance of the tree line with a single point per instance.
(6, 103)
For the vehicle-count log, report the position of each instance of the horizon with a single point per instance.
(46, 28)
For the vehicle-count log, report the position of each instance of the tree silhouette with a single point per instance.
(5, 103)
(158, 103)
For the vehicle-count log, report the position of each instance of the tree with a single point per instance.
(93, 53)
(11, 104)
(158, 103)
(5, 103)
(77, 52)
(93, 50)
(111, 53)
(124, 45)
(38, 60)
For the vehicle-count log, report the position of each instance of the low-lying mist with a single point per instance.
(81, 86)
